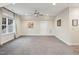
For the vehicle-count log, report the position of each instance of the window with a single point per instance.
(7, 25)
(10, 25)
(4, 25)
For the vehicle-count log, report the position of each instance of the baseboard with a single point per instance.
(18, 37)
(74, 44)
(67, 43)
(37, 35)
(6, 42)
(1, 44)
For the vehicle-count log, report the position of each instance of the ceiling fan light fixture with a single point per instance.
(35, 14)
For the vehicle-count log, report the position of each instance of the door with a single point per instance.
(43, 27)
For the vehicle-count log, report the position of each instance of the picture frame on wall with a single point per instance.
(30, 24)
(59, 22)
(74, 22)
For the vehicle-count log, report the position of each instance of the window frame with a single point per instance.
(7, 26)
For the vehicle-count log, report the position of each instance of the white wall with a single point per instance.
(18, 26)
(0, 24)
(36, 29)
(74, 30)
(68, 33)
(62, 32)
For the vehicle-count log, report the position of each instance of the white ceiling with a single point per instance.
(3, 4)
(44, 8)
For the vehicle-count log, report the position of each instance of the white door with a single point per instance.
(43, 27)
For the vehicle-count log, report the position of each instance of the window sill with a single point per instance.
(7, 33)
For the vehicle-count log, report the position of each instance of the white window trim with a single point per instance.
(7, 26)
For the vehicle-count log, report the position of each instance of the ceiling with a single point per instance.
(3, 4)
(44, 8)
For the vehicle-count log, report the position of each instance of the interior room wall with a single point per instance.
(36, 29)
(18, 26)
(62, 32)
(74, 30)
(0, 24)
(67, 33)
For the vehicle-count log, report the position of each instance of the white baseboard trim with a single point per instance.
(2, 43)
(64, 41)
(71, 44)
(37, 35)
(68, 43)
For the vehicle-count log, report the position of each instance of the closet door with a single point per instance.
(43, 27)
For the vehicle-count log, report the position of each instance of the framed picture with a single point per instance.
(30, 24)
(74, 22)
(59, 22)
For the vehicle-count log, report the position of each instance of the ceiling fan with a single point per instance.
(37, 13)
